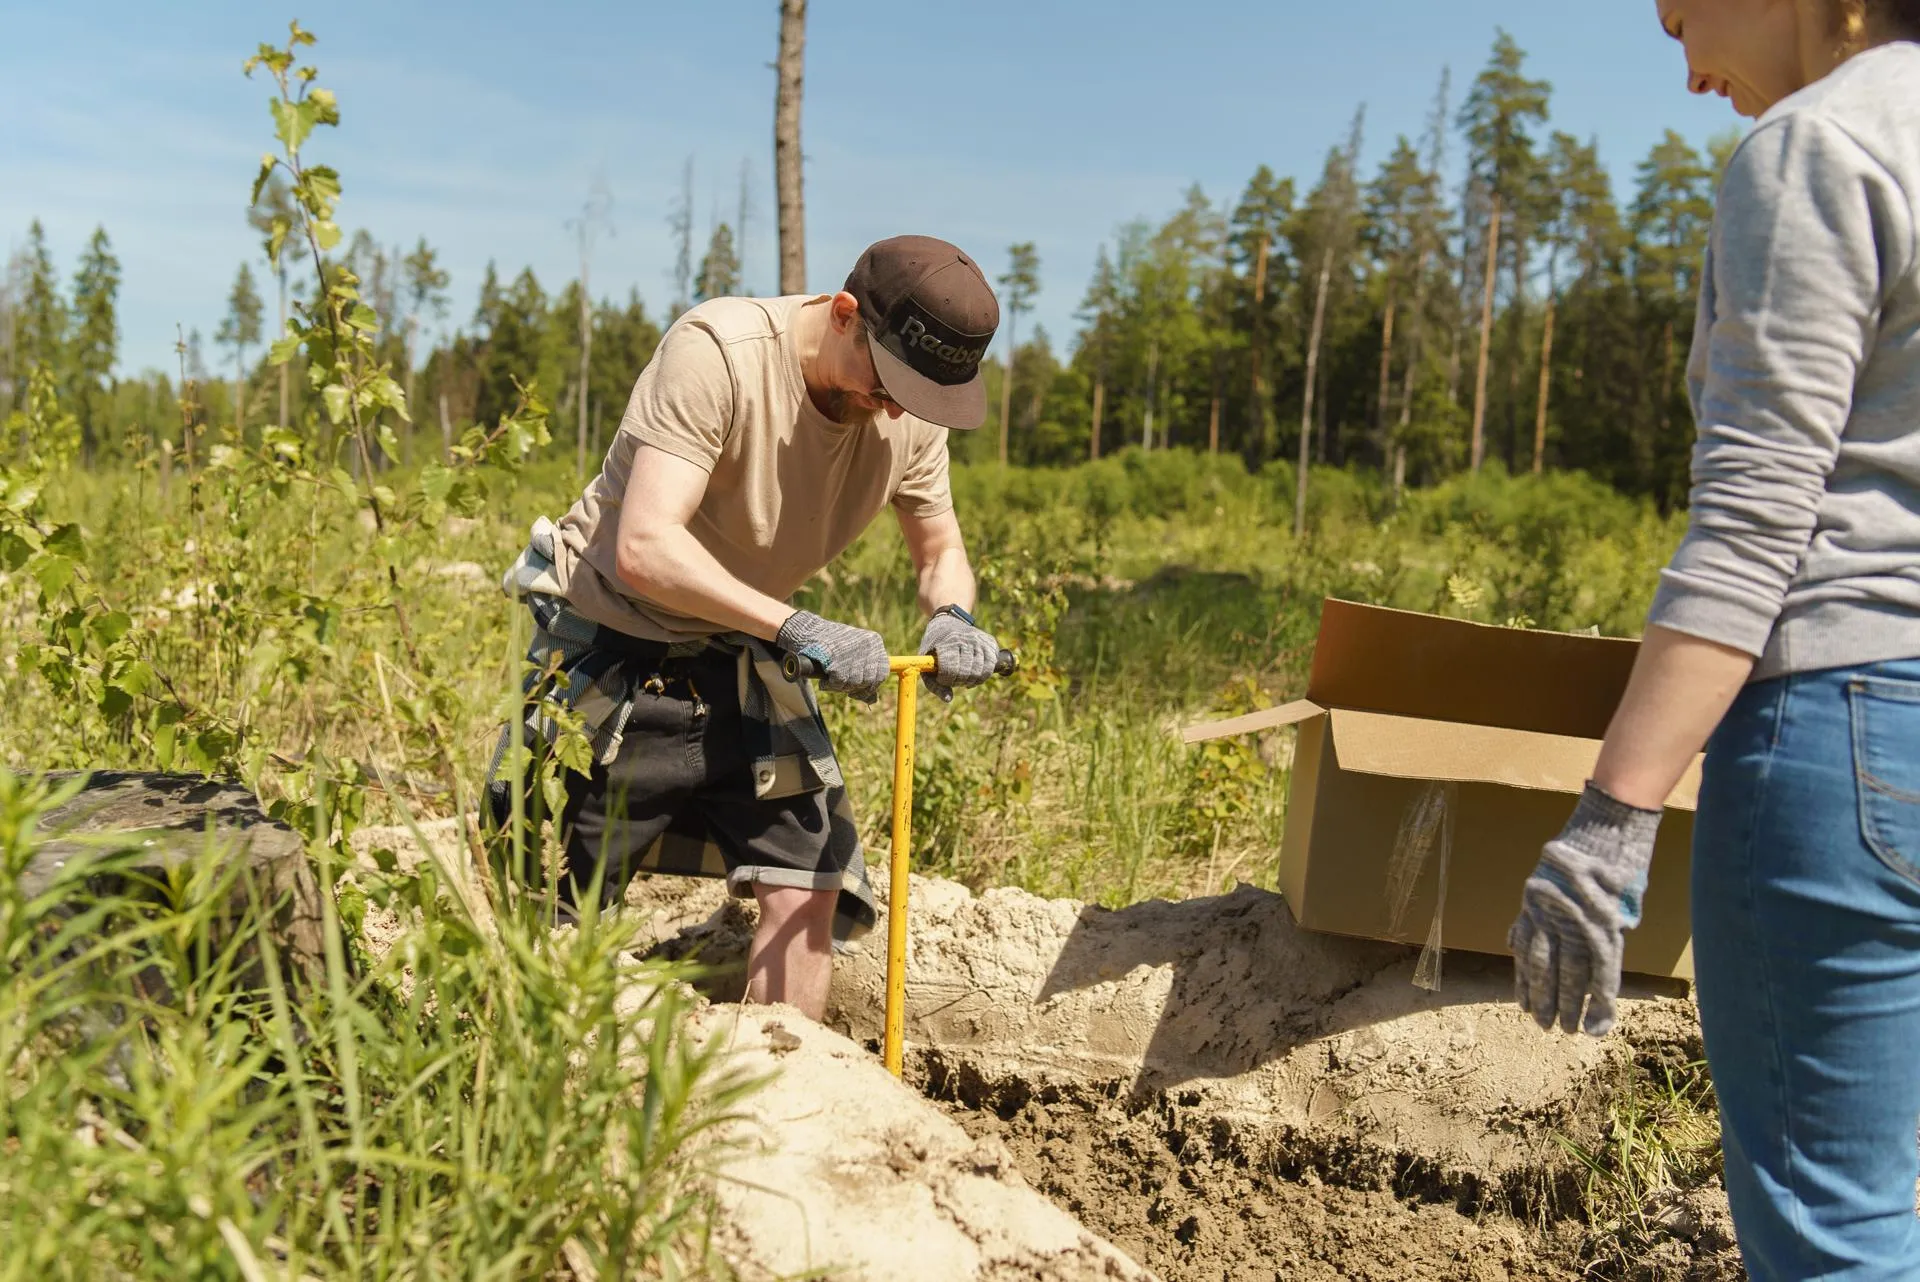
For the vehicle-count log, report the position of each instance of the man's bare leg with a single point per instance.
(791, 959)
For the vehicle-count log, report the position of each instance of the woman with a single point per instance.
(1787, 628)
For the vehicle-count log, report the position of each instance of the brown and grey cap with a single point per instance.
(930, 314)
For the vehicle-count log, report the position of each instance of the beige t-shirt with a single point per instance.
(789, 489)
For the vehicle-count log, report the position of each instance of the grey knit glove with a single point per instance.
(1577, 907)
(854, 660)
(966, 654)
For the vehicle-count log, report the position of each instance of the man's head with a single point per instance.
(916, 316)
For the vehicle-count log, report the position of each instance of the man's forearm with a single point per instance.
(1680, 689)
(671, 568)
(947, 580)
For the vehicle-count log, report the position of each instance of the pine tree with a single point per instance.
(719, 275)
(40, 333)
(1257, 245)
(96, 338)
(1099, 310)
(1672, 215)
(1496, 118)
(1018, 288)
(1327, 231)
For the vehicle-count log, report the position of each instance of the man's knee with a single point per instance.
(794, 907)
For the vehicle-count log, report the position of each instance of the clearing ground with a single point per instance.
(1211, 1090)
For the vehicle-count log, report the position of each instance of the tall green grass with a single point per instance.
(1143, 592)
(481, 1100)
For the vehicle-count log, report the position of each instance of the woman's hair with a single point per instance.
(1898, 17)
(1852, 18)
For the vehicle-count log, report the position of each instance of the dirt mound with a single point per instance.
(1224, 1095)
(847, 1170)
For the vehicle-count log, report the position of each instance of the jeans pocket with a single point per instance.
(1886, 768)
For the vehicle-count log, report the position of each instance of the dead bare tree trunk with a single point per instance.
(1306, 401)
(446, 430)
(786, 147)
(1479, 448)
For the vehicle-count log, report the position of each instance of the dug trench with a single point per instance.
(1221, 1095)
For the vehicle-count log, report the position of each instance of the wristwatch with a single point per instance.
(957, 613)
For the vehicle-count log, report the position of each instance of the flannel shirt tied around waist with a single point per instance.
(597, 673)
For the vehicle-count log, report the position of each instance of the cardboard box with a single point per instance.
(1403, 710)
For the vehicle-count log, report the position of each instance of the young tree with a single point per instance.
(1018, 288)
(786, 147)
(275, 209)
(1496, 118)
(719, 267)
(239, 331)
(96, 337)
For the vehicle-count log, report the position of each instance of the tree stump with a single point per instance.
(127, 831)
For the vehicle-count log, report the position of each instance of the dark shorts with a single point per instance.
(679, 798)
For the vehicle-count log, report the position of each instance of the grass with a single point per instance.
(1659, 1140)
(484, 1100)
(1142, 592)
(409, 1117)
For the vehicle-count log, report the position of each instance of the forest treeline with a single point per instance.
(1390, 319)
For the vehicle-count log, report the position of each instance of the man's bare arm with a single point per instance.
(939, 560)
(659, 559)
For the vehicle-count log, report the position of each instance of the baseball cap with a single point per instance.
(929, 314)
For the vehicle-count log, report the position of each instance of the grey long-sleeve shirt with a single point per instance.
(1804, 542)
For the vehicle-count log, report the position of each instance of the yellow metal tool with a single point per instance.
(908, 668)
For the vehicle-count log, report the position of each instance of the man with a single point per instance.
(760, 441)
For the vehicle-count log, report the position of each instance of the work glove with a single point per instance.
(965, 653)
(853, 660)
(1574, 914)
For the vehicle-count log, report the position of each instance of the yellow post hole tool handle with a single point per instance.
(907, 668)
(905, 721)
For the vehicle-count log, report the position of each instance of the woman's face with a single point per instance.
(1747, 51)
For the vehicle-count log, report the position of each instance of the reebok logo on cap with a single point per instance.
(930, 316)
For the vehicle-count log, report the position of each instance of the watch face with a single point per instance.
(959, 614)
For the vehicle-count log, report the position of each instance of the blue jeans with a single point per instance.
(1806, 928)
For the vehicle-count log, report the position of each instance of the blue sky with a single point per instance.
(484, 125)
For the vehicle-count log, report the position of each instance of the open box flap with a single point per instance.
(1414, 748)
(1421, 665)
(1253, 722)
